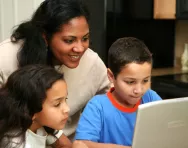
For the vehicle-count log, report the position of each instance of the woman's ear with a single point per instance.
(45, 39)
(110, 75)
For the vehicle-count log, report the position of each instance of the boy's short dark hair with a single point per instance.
(127, 50)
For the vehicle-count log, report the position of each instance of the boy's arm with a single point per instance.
(90, 126)
(91, 144)
(90, 122)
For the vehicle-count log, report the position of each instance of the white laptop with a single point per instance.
(162, 124)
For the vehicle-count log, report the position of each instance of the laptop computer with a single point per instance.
(162, 124)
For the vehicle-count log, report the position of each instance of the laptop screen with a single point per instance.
(162, 124)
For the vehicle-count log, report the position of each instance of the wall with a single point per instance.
(158, 35)
(180, 39)
(97, 9)
(13, 12)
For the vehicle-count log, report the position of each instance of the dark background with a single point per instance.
(112, 19)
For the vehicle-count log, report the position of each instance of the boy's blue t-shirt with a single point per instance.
(104, 121)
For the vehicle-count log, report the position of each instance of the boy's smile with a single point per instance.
(131, 83)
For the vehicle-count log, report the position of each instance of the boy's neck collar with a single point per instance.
(118, 105)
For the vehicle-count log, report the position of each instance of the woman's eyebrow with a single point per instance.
(69, 36)
(86, 34)
(129, 78)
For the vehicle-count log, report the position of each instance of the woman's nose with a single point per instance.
(78, 47)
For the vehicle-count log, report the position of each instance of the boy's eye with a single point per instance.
(129, 82)
(145, 81)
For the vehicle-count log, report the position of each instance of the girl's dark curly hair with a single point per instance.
(47, 20)
(20, 98)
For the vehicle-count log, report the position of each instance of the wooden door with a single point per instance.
(164, 9)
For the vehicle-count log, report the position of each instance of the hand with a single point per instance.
(79, 144)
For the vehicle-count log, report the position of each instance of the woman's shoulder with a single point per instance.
(91, 58)
(8, 58)
(9, 49)
(90, 55)
(9, 45)
(7, 41)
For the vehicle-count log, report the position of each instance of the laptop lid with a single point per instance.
(162, 124)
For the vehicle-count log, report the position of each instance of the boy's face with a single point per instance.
(131, 83)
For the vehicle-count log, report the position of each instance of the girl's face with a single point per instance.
(55, 110)
(69, 44)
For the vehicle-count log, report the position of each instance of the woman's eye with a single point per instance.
(85, 39)
(68, 41)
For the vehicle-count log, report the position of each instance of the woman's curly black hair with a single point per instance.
(47, 20)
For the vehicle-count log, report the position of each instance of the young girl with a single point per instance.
(32, 105)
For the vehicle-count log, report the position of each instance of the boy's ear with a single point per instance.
(110, 75)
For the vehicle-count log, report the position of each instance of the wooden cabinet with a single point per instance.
(165, 9)
(182, 9)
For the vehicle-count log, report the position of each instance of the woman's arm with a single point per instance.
(101, 76)
(62, 142)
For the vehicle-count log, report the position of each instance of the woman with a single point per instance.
(27, 109)
(58, 35)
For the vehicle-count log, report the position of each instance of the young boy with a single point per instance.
(108, 120)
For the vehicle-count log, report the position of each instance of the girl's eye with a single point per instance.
(56, 105)
(65, 100)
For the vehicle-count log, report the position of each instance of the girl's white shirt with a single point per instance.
(40, 139)
(36, 140)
